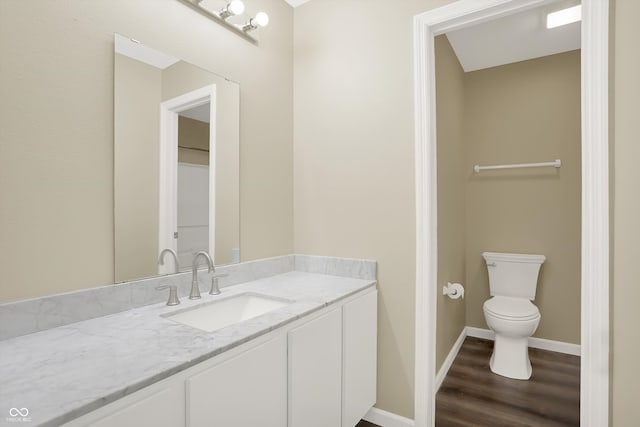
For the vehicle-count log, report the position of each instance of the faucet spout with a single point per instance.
(175, 258)
(195, 287)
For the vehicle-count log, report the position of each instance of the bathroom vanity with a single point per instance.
(309, 360)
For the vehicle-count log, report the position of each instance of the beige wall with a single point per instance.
(626, 268)
(56, 122)
(451, 194)
(526, 112)
(354, 191)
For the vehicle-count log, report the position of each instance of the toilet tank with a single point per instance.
(513, 275)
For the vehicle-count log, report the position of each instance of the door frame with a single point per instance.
(594, 372)
(168, 179)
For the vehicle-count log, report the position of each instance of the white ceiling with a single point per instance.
(296, 3)
(514, 38)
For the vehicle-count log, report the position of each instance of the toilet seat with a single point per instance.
(510, 308)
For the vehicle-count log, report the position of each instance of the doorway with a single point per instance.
(595, 222)
(200, 179)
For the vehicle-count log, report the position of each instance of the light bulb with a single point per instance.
(261, 19)
(236, 7)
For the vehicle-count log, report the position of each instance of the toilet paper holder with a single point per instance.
(453, 290)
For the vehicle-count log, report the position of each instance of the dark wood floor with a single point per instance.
(364, 423)
(471, 395)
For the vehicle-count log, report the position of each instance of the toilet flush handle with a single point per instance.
(491, 264)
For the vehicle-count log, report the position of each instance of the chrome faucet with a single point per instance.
(195, 288)
(175, 258)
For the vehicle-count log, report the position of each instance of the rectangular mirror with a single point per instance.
(176, 162)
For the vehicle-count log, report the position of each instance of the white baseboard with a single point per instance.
(387, 419)
(486, 334)
(557, 346)
(541, 343)
(442, 373)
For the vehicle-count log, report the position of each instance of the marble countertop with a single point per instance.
(65, 372)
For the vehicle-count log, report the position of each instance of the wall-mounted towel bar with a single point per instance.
(556, 164)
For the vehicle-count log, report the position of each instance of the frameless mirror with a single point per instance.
(176, 162)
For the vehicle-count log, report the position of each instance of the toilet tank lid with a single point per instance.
(506, 257)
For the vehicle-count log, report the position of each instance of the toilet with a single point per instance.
(509, 312)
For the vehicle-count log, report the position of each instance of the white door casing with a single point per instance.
(594, 383)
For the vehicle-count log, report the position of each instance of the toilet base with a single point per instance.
(510, 357)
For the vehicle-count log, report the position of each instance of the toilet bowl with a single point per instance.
(513, 320)
(510, 313)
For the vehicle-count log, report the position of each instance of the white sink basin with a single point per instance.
(218, 314)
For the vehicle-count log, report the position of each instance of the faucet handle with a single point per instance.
(173, 293)
(215, 289)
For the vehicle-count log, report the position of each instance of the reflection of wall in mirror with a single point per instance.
(136, 165)
(193, 141)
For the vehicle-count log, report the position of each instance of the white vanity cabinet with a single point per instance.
(359, 357)
(318, 371)
(246, 386)
(333, 365)
(247, 390)
(315, 372)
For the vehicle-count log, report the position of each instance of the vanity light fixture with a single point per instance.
(261, 20)
(232, 8)
(564, 16)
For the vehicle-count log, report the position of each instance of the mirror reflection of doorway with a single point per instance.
(172, 124)
(193, 183)
(146, 157)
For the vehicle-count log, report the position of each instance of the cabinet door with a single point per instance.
(248, 390)
(315, 365)
(360, 331)
(164, 408)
